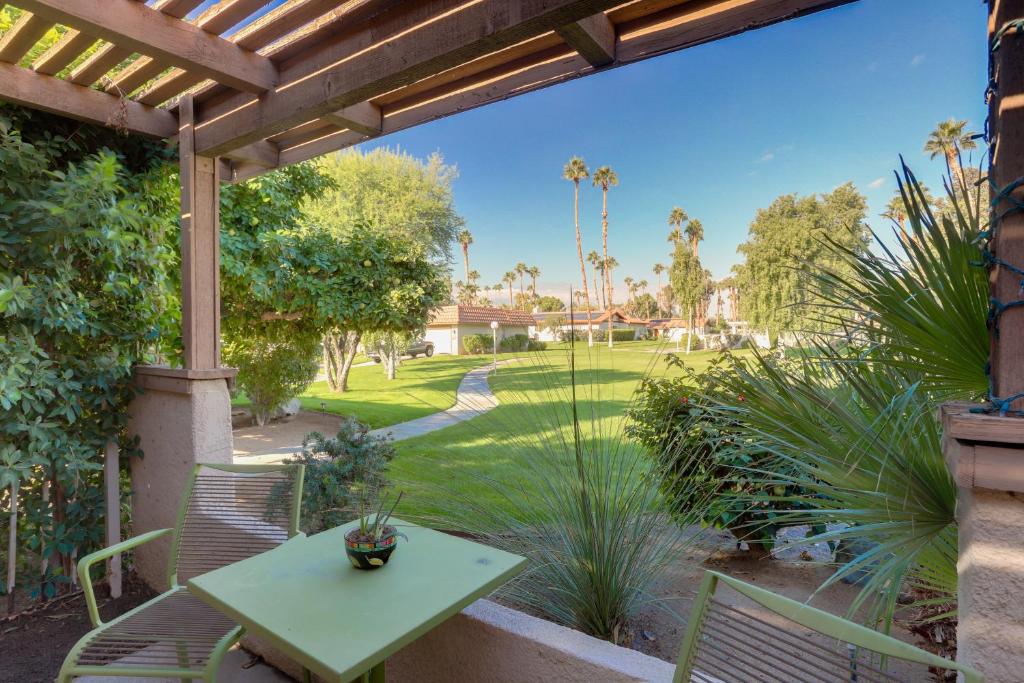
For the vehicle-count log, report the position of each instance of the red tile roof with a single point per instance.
(480, 315)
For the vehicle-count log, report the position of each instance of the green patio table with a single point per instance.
(306, 599)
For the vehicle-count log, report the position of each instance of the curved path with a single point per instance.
(473, 397)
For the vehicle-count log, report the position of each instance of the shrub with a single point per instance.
(536, 345)
(708, 469)
(623, 335)
(340, 470)
(514, 342)
(581, 334)
(478, 343)
(274, 364)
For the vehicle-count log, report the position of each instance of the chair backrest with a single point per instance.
(231, 512)
(762, 636)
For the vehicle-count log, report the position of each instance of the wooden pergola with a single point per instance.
(243, 90)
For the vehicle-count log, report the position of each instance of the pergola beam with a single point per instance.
(20, 38)
(364, 118)
(450, 39)
(30, 89)
(135, 27)
(593, 37)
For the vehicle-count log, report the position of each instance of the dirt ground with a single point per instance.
(32, 647)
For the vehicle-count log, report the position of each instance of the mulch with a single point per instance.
(33, 643)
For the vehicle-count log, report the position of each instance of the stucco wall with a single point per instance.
(489, 643)
(180, 422)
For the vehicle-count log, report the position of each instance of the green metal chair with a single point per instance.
(228, 513)
(726, 644)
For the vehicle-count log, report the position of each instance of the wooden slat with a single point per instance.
(19, 39)
(447, 41)
(99, 64)
(131, 25)
(169, 85)
(593, 37)
(364, 118)
(220, 17)
(293, 14)
(263, 154)
(63, 52)
(27, 88)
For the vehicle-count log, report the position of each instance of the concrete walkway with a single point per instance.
(277, 441)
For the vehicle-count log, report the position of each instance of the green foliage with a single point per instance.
(550, 304)
(688, 278)
(787, 245)
(513, 343)
(580, 502)
(275, 363)
(710, 470)
(392, 193)
(536, 345)
(621, 335)
(84, 295)
(924, 305)
(478, 343)
(340, 471)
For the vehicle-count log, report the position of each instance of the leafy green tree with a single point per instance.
(87, 239)
(689, 283)
(390, 191)
(550, 303)
(394, 194)
(787, 244)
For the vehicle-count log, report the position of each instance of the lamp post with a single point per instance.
(494, 334)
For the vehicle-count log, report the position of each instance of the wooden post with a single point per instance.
(1006, 128)
(112, 482)
(12, 548)
(200, 248)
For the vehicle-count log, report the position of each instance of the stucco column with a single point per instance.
(984, 455)
(182, 417)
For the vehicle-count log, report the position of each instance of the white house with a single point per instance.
(543, 329)
(449, 325)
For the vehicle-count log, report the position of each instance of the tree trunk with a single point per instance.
(689, 333)
(465, 260)
(331, 359)
(583, 267)
(607, 271)
(12, 548)
(351, 345)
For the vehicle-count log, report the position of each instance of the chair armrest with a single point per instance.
(86, 563)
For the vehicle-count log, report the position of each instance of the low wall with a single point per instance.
(490, 643)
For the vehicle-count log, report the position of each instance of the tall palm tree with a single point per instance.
(534, 273)
(658, 269)
(594, 259)
(497, 289)
(629, 290)
(949, 139)
(521, 272)
(605, 178)
(465, 239)
(576, 170)
(510, 280)
(695, 233)
(676, 218)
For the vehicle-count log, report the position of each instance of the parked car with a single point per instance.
(417, 348)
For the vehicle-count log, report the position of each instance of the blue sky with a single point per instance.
(719, 129)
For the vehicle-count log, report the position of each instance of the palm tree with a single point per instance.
(497, 289)
(534, 273)
(510, 280)
(676, 218)
(949, 139)
(659, 268)
(695, 232)
(629, 290)
(605, 177)
(594, 259)
(521, 272)
(465, 239)
(576, 170)
(474, 275)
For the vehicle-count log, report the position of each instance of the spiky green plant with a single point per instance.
(862, 441)
(585, 506)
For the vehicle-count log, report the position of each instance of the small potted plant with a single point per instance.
(370, 544)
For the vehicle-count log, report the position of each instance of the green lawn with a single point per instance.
(533, 397)
(423, 386)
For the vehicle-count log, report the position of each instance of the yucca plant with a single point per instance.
(585, 508)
